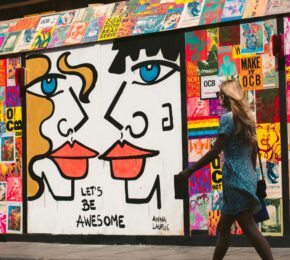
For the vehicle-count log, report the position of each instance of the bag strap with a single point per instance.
(260, 162)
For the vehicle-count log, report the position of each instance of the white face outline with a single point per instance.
(148, 80)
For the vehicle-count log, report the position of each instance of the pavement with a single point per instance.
(46, 251)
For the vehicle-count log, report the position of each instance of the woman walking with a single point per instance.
(237, 139)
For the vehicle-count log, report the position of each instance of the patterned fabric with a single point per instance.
(239, 176)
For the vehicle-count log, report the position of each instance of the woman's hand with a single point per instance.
(185, 173)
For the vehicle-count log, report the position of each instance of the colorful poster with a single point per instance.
(251, 75)
(76, 33)
(269, 141)
(273, 176)
(209, 86)
(274, 225)
(270, 71)
(197, 108)
(255, 8)
(200, 181)
(227, 65)
(203, 127)
(93, 30)
(233, 10)
(200, 204)
(196, 46)
(25, 40)
(14, 189)
(252, 37)
(3, 218)
(42, 37)
(2, 39)
(3, 191)
(65, 18)
(171, 21)
(8, 148)
(212, 12)
(197, 148)
(10, 41)
(192, 80)
(148, 24)
(3, 72)
(277, 6)
(217, 199)
(191, 14)
(287, 35)
(213, 220)
(14, 221)
(215, 108)
(47, 21)
(127, 26)
(59, 36)
(110, 28)
(12, 65)
(25, 23)
(13, 98)
(227, 37)
(120, 9)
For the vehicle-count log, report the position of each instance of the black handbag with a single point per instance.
(261, 184)
(180, 187)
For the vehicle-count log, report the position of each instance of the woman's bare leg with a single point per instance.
(248, 225)
(223, 236)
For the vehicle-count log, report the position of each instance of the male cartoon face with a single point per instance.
(62, 91)
(145, 110)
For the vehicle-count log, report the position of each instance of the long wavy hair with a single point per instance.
(235, 100)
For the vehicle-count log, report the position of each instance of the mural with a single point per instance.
(108, 138)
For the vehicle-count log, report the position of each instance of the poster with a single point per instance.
(255, 8)
(14, 188)
(277, 6)
(127, 26)
(203, 127)
(47, 21)
(14, 218)
(148, 24)
(10, 41)
(252, 37)
(14, 120)
(200, 204)
(233, 10)
(42, 37)
(171, 21)
(7, 148)
(76, 33)
(59, 36)
(217, 200)
(93, 30)
(110, 28)
(227, 37)
(192, 80)
(209, 86)
(3, 72)
(211, 12)
(227, 65)
(3, 217)
(216, 173)
(65, 18)
(200, 181)
(197, 108)
(270, 71)
(25, 40)
(3, 191)
(287, 35)
(251, 75)
(215, 108)
(12, 65)
(191, 14)
(197, 148)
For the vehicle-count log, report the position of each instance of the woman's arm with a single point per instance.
(208, 157)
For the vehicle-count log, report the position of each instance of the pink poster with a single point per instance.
(14, 189)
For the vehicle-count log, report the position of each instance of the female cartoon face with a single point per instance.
(62, 91)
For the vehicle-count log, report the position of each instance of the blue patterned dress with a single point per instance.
(239, 176)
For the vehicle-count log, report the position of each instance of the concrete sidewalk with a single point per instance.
(29, 250)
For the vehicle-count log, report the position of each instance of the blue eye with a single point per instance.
(149, 73)
(48, 86)
(153, 71)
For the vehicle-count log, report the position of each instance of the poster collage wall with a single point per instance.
(10, 148)
(126, 18)
(212, 56)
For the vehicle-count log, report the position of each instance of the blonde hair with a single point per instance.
(236, 101)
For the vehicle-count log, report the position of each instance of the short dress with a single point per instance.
(238, 175)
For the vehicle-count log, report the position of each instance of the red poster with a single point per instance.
(3, 72)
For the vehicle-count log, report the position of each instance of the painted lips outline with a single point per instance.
(127, 160)
(72, 159)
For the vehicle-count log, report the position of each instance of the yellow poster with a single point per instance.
(216, 174)
(110, 28)
(251, 76)
(14, 120)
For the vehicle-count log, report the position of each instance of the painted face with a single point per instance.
(63, 128)
(145, 109)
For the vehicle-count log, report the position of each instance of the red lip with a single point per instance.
(127, 160)
(73, 159)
